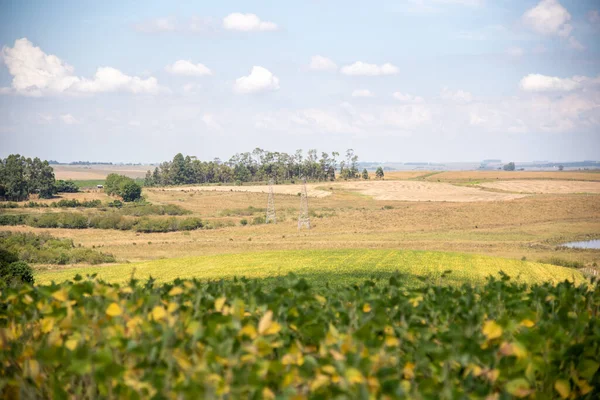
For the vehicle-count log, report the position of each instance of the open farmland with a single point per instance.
(98, 171)
(458, 176)
(544, 186)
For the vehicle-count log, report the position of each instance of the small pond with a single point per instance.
(588, 244)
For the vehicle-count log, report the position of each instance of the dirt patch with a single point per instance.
(559, 187)
(424, 191)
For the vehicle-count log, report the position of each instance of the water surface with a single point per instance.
(587, 244)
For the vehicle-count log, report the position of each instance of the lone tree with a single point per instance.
(123, 186)
(510, 166)
(365, 174)
(379, 173)
(561, 167)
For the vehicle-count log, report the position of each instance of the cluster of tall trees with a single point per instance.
(20, 177)
(258, 165)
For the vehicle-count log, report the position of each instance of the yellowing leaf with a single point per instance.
(267, 394)
(492, 330)
(71, 344)
(265, 322)
(273, 329)
(47, 324)
(321, 299)
(563, 387)
(366, 307)
(175, 291)
(354, 376)
(409, 370)
(60, 295)
(518, 387)
(219, 303)
(392, 341)
(114, 310)
(158, 313)
(249, 331)
(527, 323)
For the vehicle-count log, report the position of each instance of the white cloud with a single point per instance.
(135, 123)
(575, 44)
(186, 67)
(407, 98)
(515, 52)
(459, 96)
(191, 88)
(36, 73)
(171, 24)
(362, 93)
(543, 83)
(320, 63)
(247, 22)
(259, 80)
(68, 119)
(210, 122)
(549, 17)
(594, 16)
(164, 24)
(365, 69)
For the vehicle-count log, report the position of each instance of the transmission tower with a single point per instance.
(271, 218)
(303, 218)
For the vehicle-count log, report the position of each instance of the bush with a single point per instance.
(46, 249)
(562, 262)
(16, 273)
(244, 222)
(123, 186)
(189, 224)
(65, 186)
(259, 220)
(8, 204)
(72, 203)
(8, 219)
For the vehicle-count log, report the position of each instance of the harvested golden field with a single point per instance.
(545, 186)
(89, 172)
(450, 176)
(395, 190)
(277, 189)
(423, 191)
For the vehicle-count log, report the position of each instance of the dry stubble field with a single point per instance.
(364, 215)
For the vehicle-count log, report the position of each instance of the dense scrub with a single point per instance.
(46, 249)
(108, 220)
(251, 339)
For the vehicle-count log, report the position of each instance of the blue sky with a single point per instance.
(426, 80)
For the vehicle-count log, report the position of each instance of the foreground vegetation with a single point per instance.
(333, 267)
(237, 339)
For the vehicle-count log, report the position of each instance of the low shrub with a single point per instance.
(14, 219)
(8, 204)
(46, 249)
(72, 203)
(562, 262)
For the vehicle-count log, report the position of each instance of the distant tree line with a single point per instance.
(21, 177)
(258, 165)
